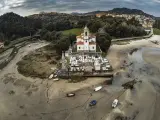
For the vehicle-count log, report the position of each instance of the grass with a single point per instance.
(156, 31)
(76, 31)
(121, 43)
(38, 63)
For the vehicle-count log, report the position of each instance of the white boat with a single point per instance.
(55, 79)
(51, 76)
(98, 88)
(55, 76)
(115, 103)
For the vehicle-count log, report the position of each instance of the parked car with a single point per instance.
(93, 103)
(70, 94)
(115, 103)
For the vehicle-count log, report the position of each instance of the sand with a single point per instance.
(145, 66)
(26, 98)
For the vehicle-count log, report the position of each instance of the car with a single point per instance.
(93, 103)
(70, 94)
(114, 103)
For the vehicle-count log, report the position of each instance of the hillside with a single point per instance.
(50, 25)
(121, 11)
(13, 26)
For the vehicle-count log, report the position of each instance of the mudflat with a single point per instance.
(27, 98)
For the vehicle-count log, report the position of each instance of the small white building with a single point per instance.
(86, 41)
(1, 45)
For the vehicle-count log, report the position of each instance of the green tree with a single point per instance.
(62, 44)
(72, 38)
(104, 41)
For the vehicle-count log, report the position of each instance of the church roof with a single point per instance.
(92, 43)
(80, 43)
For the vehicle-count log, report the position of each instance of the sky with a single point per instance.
(28, 7)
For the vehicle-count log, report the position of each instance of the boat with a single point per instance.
(115, 103)
(98, 88)
(55, 79)
(70, 94)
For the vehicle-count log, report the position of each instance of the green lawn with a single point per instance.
(76, 31)
(156, 31)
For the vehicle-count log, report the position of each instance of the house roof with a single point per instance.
(92, 43)
(80, 43)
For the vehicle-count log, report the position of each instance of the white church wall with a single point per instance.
(92, 47)
(80, 47)
(79, 39)
(94, 39)
(85, 37)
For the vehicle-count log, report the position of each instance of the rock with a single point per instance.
(129, 85)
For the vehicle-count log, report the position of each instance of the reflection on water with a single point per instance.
(137, 56)
(149, 55)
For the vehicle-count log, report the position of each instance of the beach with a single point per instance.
(26, 98)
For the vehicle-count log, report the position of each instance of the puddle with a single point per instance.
(146, 55)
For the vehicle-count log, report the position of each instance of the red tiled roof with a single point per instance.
(92, 43)
(80, 43)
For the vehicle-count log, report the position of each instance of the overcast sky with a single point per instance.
(27, 7)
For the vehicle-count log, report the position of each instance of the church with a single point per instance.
(86, 41)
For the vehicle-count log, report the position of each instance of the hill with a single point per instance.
(121, 11)
(13, 26)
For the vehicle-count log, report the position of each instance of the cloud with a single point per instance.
(7, 4)
(34, 6)
(158, 1)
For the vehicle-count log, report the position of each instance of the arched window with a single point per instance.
(85, 33)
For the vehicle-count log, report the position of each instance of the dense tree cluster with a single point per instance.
(50, 26)
(121, 28)
(104, 41)
(13, 26)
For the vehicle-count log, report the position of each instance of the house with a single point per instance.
(1, 44)
(86, 41)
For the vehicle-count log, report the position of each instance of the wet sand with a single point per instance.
(25, 98)
(141, 65)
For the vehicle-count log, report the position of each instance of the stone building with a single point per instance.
(86, 41)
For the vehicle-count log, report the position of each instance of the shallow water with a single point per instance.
(147, 55)
(152, 56)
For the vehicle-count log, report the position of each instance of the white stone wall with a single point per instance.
(92, 47)
(86, 45)
(79, 39)
(94, 39)
(80, 47)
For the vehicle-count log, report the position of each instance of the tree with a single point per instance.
(1, 36)
(62, 44)
(94, 26)
(104, 41)
(72, 38)
(47, 36)
(134, 22)
(81, 23)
